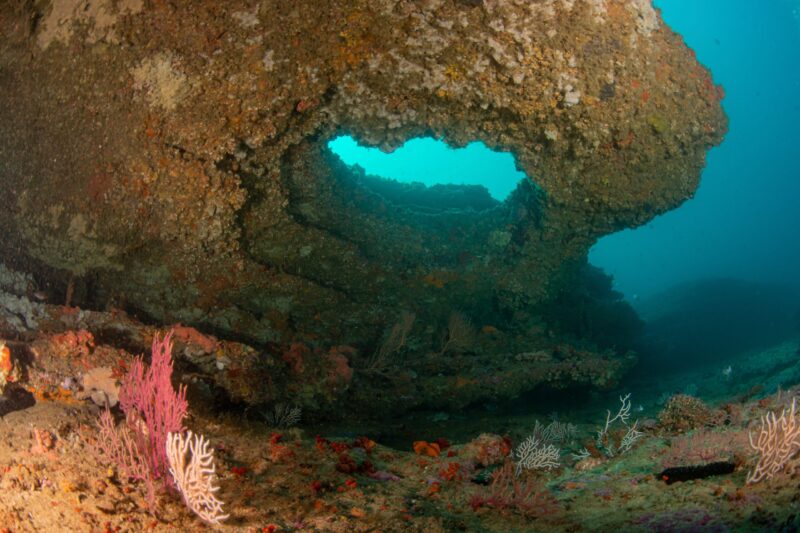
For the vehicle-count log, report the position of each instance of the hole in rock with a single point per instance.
(427, 173)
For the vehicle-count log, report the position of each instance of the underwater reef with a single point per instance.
(170, 160)
(75, 450)
(208, 320)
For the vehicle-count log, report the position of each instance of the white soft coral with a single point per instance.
(191, 464)
(778, 441)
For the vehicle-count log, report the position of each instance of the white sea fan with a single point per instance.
(622, 416)
(554, 432)
(531, 455)
(630, 437)
(283, 416)
(778, 441)
(191, 464)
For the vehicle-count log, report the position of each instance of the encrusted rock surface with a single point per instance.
(171, 160)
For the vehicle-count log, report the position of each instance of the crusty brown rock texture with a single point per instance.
(171, 158)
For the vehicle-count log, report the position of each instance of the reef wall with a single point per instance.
(170, 159)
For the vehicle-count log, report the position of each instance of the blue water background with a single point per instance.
(744, 221)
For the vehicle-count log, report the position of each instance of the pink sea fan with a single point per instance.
(704, 446)
(152, 407)
(117, 445)
(508, 492)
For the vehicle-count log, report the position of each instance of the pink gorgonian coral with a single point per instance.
(152, 407)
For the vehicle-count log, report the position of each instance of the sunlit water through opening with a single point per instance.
(432, 162)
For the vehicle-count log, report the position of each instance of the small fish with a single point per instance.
(727, 372)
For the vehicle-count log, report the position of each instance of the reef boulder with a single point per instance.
(171, 160)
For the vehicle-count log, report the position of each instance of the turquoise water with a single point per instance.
(430, 162)
(744, 219)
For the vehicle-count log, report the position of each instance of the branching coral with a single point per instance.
(533, 454)
(395, 340)
(460, 336)
(507, 492)
(191, 464)
(631, 435)
(778, 441)
(153, 409)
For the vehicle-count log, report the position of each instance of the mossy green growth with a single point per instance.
(658, 122)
